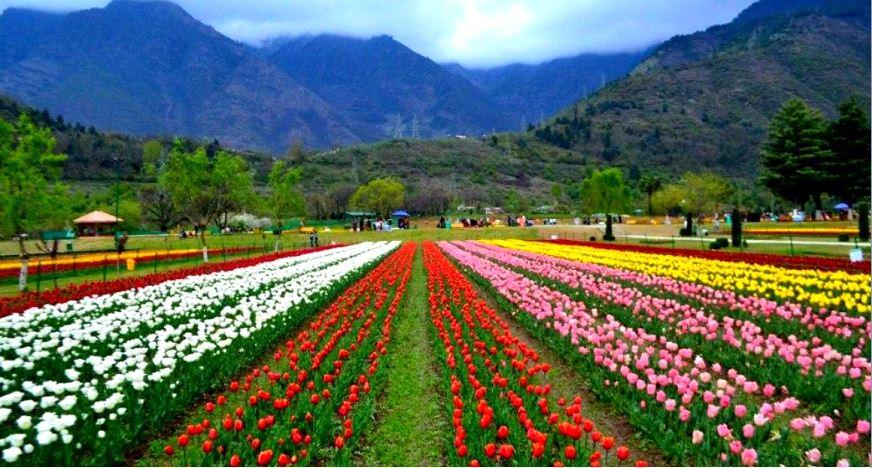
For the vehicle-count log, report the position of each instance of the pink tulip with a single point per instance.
(813, 455)
(797, 424)
(749, 457)
(735, 447)
(683, 414)
(697, 437)
(863, 426)
(841, 439)
(848, 392)
(724, 431)
(740, 411)
(748, 431)
(712, 411)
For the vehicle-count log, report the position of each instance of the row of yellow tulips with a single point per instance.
(837, 290)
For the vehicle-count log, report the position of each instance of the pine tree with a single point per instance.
(849, 140)
(796, 155)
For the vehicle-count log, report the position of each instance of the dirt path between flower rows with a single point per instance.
(412, 425)
(567, 382)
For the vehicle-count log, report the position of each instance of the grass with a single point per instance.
(412, 425)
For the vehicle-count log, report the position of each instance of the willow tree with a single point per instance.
(31, 198)
(207, 190)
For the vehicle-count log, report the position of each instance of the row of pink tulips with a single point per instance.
(810, 355)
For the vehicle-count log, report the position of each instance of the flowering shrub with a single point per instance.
(690, 405)
(501, 414)
(21, 302)
(313, 397)
(82, 379)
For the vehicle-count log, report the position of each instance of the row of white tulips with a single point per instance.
(103, 367)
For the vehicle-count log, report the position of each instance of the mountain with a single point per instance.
(146, 67)
(703, 101)
(378, 85)
(530, 92)
(151, 68)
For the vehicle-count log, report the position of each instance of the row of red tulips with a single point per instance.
(783, 261)
(501, 411)
(15, 304)
(110, 259)
(309, 401)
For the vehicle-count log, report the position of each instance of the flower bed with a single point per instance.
(14, 304)
(782, 261)
(82, 379)
(698, 410)
(816, 288)
(501, 413)
(313, 398)
(766, 355)
(11, 269)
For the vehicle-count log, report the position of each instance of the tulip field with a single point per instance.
(285, 359)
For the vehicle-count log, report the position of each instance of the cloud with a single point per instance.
(477, 33)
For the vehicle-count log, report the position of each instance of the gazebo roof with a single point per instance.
(97, 217)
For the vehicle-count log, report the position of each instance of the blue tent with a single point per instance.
(400, 214)
(841, 206)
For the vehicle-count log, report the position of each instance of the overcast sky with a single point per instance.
(475, 33)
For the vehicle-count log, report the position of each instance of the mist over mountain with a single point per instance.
(150, 68)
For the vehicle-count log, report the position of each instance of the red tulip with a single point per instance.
(168, 450)
(623, 453)
(538, 450)
(506, 451)
(339, 442)
(641, 463)
(570, 452)
(207, 446)
(490, 450)
(608, 443)
(210, 407)
(503, 432)
(462, 450)
(474, 462)
(183, 440)
(235, 460)
(255, 444)
(263, 458)
(283, 460)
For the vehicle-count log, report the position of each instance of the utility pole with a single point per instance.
(398, 127)
(415, 129)
(117, 160)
